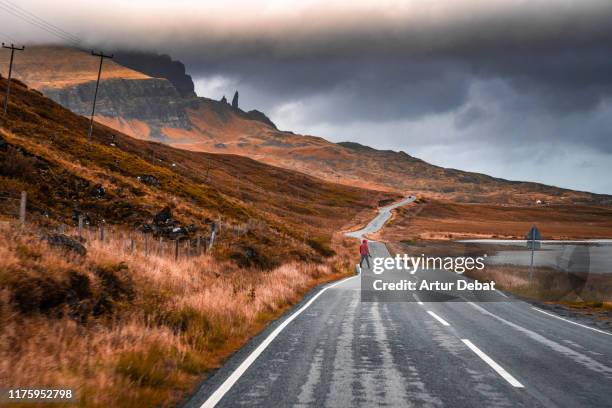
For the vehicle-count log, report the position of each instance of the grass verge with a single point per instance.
(127, 330)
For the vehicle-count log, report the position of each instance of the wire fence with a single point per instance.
(177, 244)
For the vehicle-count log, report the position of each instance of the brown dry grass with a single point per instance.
(553, 287)
(58, 67)
(548, 285)
(442, 220)
(143, 330)
(431, 226)
(128, 330)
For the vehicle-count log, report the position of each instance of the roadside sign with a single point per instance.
(533, 243)
(533, 238)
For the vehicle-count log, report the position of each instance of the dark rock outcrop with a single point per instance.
(165, 225)
(225, 111)
(66, 243)
(97, 191)
(158, 66)
(260, 117)
(163, 217)
(235, 100)
(149, 180)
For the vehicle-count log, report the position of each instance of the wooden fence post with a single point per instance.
(101, 232)
(22, 207)
(146, 245)
(198, 246)
(176, 249)
(212, 236)
(80, 226)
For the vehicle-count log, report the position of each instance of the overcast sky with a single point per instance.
(513, 88)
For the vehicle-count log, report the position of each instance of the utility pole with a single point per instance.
(8, 84)
(93, 107)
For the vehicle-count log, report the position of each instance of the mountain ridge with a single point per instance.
(152, 109)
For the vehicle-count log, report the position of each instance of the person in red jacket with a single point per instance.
(365, 253)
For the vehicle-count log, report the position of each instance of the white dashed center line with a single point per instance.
(499, 369)
(438, 318)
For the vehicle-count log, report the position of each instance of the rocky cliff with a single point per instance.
(158, 66)
(154, 101)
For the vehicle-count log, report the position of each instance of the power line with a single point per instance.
(39, 22)
(9, 37)
(42, 21)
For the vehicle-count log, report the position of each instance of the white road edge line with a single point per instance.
(499, 369)
(417, 299)
(438, 318)
(214, 399)
(501, 293)
(569, 321)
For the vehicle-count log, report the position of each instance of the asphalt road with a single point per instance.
(335, 350)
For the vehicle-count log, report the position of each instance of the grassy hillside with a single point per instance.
(46, 67)
(45, 152)
(152, 109)
(124, 327)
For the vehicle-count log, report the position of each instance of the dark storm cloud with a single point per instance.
(405, 58)
(538, 100)
(369, 89)
(383, 69)
(572, 79)
(443, 79)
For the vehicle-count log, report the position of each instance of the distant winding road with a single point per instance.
(333, 350)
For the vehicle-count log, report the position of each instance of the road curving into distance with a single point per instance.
(384, 213)
(333, 350)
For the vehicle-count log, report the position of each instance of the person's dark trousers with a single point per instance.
(366, 259)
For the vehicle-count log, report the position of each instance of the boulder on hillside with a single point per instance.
(166, 226)
(163, 217)
(97, 191)
(149, 180)
(66, 243)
